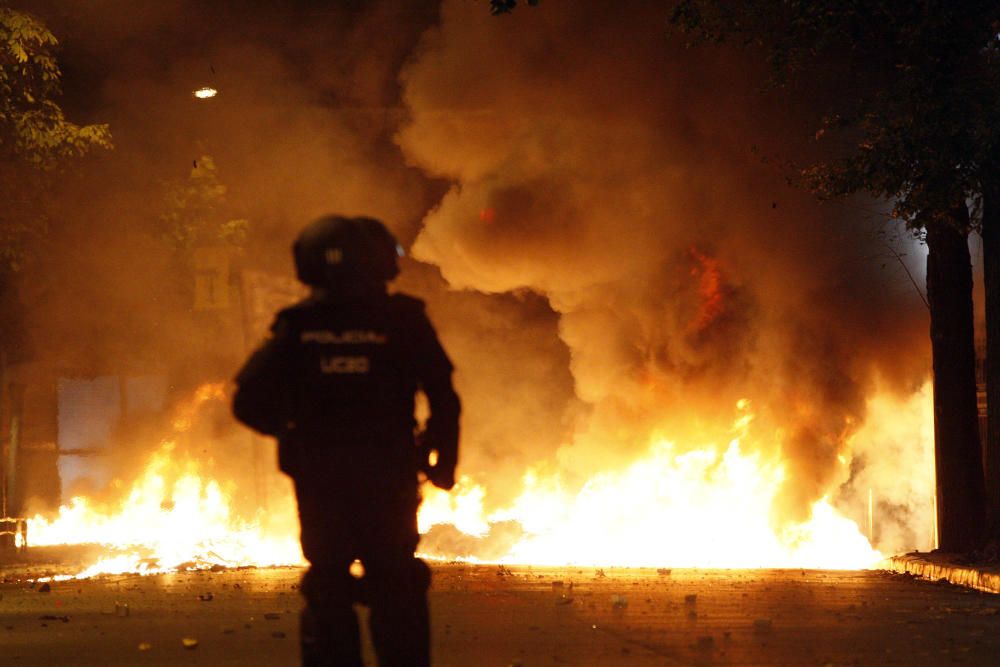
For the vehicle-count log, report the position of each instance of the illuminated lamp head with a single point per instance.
(345, 255)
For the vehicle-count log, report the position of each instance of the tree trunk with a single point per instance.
(961, 496)
(991, 283)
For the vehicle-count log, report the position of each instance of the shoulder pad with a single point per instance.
(406, 303)
(298, 307)
(290, 314)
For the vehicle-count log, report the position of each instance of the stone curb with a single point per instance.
(937, 567)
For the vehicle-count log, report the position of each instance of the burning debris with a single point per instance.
(699, 508)
(175, 515)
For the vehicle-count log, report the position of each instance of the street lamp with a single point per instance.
(205, 93)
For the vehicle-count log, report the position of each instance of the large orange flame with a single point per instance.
(675, 506)
(708, 507)
(174, 516)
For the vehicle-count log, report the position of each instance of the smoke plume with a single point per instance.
(599, 165)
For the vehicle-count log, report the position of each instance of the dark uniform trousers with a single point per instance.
(335, 384)
(373, 518)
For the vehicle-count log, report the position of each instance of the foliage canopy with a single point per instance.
(36, 139)
(916, 122)
(195, 210)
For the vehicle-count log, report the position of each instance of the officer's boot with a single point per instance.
(329, 625)
(330, 639)
(400, 620)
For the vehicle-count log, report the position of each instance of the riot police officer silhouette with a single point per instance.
(335, 383)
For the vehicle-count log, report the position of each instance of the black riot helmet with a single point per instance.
(346, 255)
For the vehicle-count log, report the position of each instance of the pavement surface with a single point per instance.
(487, 615)
(954, 568)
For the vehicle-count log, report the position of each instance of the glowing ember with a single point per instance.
(709, 277)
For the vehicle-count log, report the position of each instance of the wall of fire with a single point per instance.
(69, 429)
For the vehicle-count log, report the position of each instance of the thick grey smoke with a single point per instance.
(599, 164)
(303, 125)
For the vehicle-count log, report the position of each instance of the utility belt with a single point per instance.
(383, 451)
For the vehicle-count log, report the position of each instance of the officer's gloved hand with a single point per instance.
(441, 476)
(441, 473)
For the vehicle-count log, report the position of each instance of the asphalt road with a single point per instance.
(484, 616)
